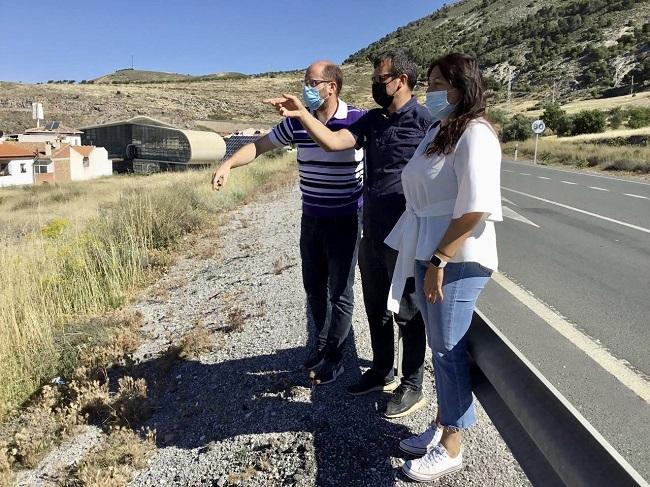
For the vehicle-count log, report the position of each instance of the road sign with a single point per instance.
(538, 126)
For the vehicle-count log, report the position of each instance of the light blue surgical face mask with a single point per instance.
(311, 97)
(438, 105)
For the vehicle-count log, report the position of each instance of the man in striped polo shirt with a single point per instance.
(332, 193)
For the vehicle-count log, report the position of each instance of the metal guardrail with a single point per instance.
(554, 444)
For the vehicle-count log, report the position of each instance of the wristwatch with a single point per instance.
(437, 261)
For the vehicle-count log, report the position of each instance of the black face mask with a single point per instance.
(380, 96)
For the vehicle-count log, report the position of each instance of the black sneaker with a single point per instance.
(328, 372)
(314, 360)
(404, 401)
(370, 382)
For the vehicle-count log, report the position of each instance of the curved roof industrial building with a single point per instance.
(146, 139)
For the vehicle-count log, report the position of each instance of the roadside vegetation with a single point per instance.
(616, 139)
(553, 150)
(71, 257)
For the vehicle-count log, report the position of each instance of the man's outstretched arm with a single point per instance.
(290, 106)
(244, 155)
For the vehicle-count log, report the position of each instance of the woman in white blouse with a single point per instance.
(446, 239)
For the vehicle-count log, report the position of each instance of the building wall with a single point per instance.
(98, 165)
(44, 178)
(16, 175)
(62, 171)
(53, 138)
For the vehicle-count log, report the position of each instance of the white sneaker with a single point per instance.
(433, 465)
(423, 443)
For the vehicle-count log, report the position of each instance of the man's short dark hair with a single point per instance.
(334, 73)
(401, 64)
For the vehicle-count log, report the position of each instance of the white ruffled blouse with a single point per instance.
(444, 187)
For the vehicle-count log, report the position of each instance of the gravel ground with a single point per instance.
(243, 413)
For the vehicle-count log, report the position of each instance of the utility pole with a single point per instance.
(131, 61)
(553, 96)
(510, 72)
(632, 86)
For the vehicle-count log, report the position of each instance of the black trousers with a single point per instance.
(329, 249)
(377, 262)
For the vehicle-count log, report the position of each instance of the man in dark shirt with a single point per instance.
(390, 135)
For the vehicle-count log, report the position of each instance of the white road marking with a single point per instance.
(599, 189)
(636, 196)
(524, 174)
(512, 214)
(580, 173)
(578, 210)
(503, 198)
(596, 352)
(568, 182)
(507, 170)
(542, 177)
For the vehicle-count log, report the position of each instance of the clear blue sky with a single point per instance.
(44, 40)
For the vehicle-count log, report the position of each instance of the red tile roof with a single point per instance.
(84, 150)
(64, 151)
(11, 151)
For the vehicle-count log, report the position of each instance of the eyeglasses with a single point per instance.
(313, 83)
(382, 77)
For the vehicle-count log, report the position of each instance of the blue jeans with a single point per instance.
(447, 322)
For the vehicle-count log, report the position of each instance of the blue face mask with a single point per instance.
(438, 105)
(312, 98)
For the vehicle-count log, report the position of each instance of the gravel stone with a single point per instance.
(244, 413)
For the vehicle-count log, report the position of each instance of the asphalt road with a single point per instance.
(579, 245)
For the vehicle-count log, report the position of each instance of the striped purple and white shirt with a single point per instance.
(331, 182)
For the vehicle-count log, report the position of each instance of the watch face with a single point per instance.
(435, 260)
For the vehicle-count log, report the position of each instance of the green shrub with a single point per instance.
(553, 115)
(589, 122)
(497, 115)
(638, 117)
(616, 117)
(564, 126)
(517, 129)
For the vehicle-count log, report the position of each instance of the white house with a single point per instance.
(81, 163)
(16, 165)
(52, 132)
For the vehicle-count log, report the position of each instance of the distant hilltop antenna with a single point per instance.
(37, 113)
(131, 62)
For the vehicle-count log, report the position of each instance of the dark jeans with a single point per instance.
(329, 248)
(377, 262)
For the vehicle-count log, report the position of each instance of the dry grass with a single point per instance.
(609, 134)
(236, 320)
(114, 463)
(526, 106)
(281, 264)
(197, 341)
(66, 260)
(552, 150)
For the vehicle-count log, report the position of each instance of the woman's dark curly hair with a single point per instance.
(462, 72)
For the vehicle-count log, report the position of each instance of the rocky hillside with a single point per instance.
(125, 76)
(582, 48)
(180, 102)
(585, 47)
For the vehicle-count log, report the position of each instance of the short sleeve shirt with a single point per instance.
(331, 183)
(440, 188)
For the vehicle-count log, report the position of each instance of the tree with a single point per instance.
(553, 115)
(638, 117)
(589, 122)
(517, 129)
(616, 117)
